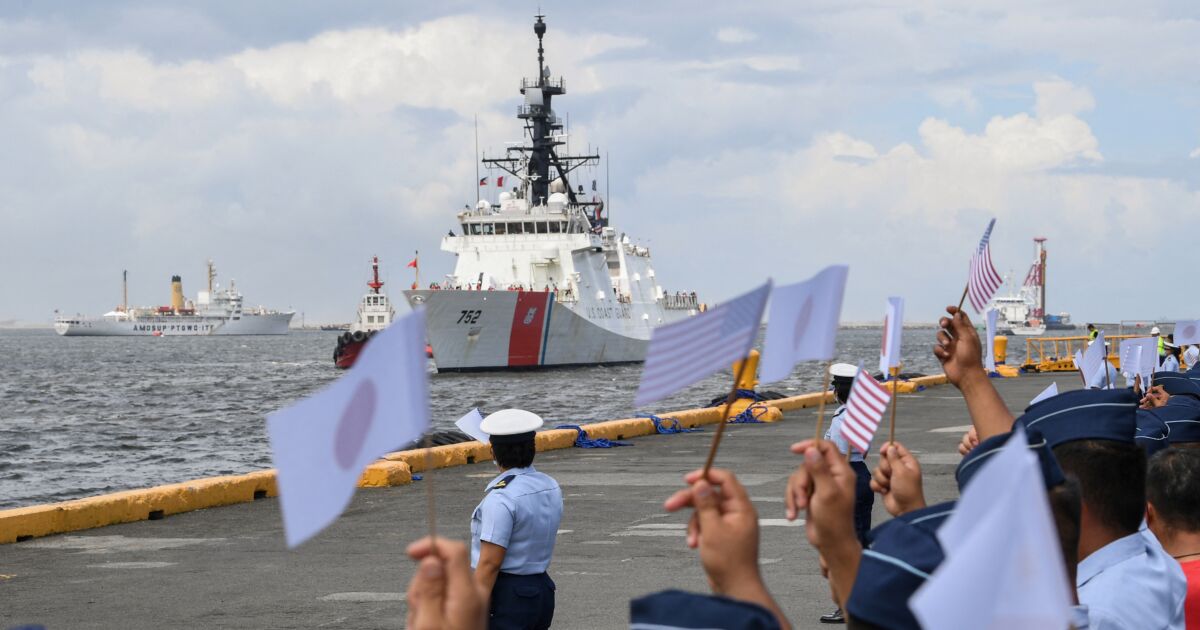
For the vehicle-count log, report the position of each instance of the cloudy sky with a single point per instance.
(290, 141)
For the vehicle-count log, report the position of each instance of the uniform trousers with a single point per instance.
(521, 602)
(864, 500)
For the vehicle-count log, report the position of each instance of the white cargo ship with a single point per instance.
(217, 311)
(1023, 312)
(542, 279)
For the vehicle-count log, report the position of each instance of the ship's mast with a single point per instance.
(532, 163)
(212, 275)
(375, 284)
(125, 291)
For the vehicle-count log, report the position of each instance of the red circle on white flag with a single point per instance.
(1189, 331)
(802, 322)
(354, 425)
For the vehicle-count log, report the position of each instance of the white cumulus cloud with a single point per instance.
(735, 35)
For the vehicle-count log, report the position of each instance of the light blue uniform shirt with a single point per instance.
(522, 516)
(1169, 364)
(834, 434)
(1132, 583)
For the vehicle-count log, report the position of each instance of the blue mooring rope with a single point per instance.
(741, 393)
(583, 441)
(750, 415)
(668, 425)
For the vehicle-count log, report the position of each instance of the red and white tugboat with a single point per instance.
(375, 313)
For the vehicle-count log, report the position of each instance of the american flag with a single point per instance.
(864, 409)
(687, 351)
(983, 280)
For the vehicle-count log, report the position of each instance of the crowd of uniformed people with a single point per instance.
(1121, 468)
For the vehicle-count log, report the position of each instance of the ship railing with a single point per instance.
(1055, 354)
(524, 111)
(550, 82)
(637, 250)
(680, 300)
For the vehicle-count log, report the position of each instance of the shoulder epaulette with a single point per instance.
(503, 483)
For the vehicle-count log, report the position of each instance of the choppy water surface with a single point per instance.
(86, 415)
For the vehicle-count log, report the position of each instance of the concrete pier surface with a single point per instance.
(228, 567)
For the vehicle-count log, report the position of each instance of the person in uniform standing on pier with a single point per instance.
(513, 529)
(864, 499)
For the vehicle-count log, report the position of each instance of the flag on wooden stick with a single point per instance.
(321, 444)
(893, 327)
(803, 322)
(687, 351)
(983, 279)
(864, 409)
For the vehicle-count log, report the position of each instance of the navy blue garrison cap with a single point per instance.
(1181, 417)
(1084, 414)
(677, 609)
(1152, 431)
(974, 460)
(903, 553)
(1177, 384)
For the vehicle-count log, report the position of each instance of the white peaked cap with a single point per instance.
(843, 370)
(1154, 331)
(511, 422)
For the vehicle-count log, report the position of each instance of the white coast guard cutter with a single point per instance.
(541, 278)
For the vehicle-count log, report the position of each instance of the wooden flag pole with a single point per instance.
(712, 450)
(431, 505)
(821, 406)
(895, 399)
(962, 300)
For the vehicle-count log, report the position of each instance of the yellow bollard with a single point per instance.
(750, 377)
(1000, 349)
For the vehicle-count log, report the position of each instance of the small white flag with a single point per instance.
(864, 409)
(687, 351)
(1187, 332)
(469, 424)
(893, 328)
(1144, 354)
(802, 323)
(989, 351)
(1004, 566)
(1049, 392)
(321, 444)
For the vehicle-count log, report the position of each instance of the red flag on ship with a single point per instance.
(483, 181)
(500, 182)
(413, 263)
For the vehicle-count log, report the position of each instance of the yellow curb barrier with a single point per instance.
(134, 505)
(385, 474)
